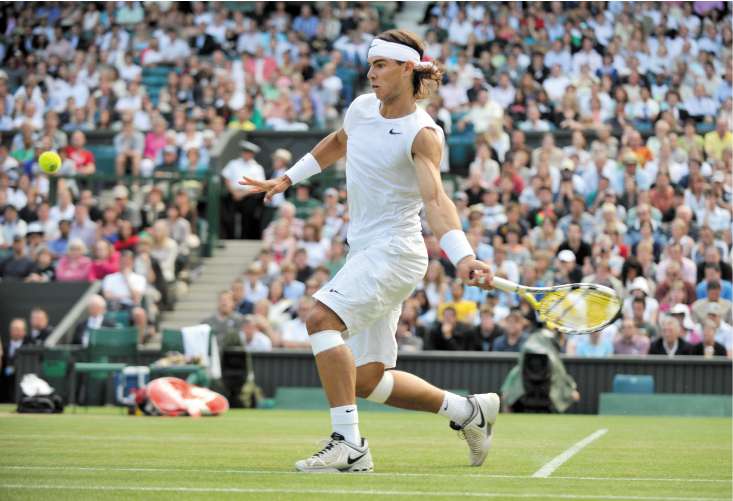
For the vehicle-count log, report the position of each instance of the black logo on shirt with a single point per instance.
(394, 132)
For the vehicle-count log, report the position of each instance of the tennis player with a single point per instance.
(393, 151)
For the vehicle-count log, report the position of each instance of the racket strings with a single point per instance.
(578, 309)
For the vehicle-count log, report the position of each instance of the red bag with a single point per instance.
(170, 396)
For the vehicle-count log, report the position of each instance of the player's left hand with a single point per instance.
(474, 272)
(270, 187)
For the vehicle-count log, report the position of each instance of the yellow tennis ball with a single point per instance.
(50, 161)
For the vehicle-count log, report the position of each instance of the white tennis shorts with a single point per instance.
(368, 291)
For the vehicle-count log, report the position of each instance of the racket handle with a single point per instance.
(504, 285)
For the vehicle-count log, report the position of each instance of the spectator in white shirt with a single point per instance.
(534, 123)
(587, 55)
(294, 332)
(504, 92)
(175, 48)
(559, 55)
(454, 96)
(460, 29)
(556, 84)
(701, 106)
(125, 290)
(253, 339)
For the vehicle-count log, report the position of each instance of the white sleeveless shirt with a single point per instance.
(383, 195)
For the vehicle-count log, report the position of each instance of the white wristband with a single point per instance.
(303, 169)
(455, 244)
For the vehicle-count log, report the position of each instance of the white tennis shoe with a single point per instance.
(338, 456)
(478, 429)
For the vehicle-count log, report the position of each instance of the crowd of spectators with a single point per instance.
(639, 198)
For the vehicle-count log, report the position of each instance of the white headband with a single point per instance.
(396, 51)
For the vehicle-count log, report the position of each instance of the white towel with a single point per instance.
(198, 341)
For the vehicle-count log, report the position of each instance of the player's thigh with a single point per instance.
(371, 284)
(323, 318)
(377, 343)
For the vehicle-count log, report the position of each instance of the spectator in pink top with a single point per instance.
(155, 140)
(74, 266)
(106, 262)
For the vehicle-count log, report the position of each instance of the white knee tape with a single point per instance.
(325, 340)
(383, 390)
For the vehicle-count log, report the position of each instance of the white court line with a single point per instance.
(341, 492)
(558, 461)
(372, 474)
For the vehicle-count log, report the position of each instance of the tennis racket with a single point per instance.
(571, 308)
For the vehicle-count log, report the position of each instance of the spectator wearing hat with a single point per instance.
(709, 347)
(34, 237)
(126, 208)
(700, 307)
(568, 270)
(17, 266)
(689, 331)
(236, 203)
(639, 288)
(670, 341)
(723, 329)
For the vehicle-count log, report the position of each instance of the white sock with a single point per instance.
(345, 421)
(456, 407)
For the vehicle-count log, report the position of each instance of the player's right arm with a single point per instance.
(330, 149)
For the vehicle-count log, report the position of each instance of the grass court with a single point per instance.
(249, 454)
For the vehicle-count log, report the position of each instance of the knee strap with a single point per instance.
(325, 340)
(383, 390)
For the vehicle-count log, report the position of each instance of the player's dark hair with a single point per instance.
(424, 80)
